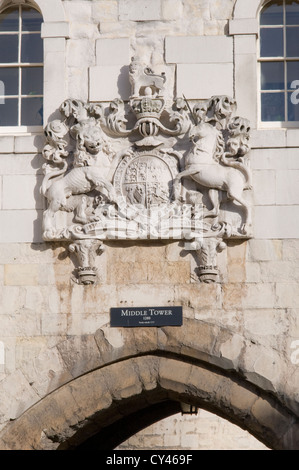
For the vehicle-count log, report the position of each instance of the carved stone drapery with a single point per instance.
(147, 170)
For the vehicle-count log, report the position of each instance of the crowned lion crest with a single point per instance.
(179, 172)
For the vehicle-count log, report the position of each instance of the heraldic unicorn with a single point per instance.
(176, 172)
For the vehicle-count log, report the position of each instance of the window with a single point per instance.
(21, 69)
(279, 62)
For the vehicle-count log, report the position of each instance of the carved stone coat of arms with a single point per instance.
(147, 169)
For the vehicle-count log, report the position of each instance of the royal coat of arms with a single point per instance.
(147, 169)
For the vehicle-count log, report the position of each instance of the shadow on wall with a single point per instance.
(123, 83)
(36, 164)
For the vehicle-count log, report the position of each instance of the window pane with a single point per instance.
(272, 76)
(272, 14)
(31, 19)
(293, 106)
(272, 107)
(32, 112)
(292, 72)
(9, 112)
(271, 42)
(292, 12)
(9, 48)
(9, 20)
(32, 48)
(9, 81)
(32, 81)
(292, 36)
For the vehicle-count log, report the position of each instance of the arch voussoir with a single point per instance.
(80, 408)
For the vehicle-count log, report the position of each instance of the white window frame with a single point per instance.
(54, 32)
(19, 128)
(244, 27)
(284, 58)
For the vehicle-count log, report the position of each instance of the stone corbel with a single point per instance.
(86, 252)
(207, 258)
(207, 248)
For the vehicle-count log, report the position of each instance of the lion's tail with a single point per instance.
(53, 174)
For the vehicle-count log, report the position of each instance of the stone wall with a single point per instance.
(257, 297)
(202, 432)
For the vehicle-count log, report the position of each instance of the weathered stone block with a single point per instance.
(91, 393)
(261, 138)
(139, 10)
(245, 44)
(54, 44)
(85, 323)
(221, 10)
(270, 159)
(27, 323)
(6, 144)
(174, 375)
(21, 396)
(54, 324)
(148, 368)
(198, 50)
(21, 274)
(214, 79)
(292, 137)
(246, 90)
(27, 222)
(113, 51)
(287, 295)
(80, 52)
(114, 82)
(230, 350)
(290, 249)
(243, 26)
(198, 296)
(172, 10)
(248, 295)
(25, 164)
(55, 30)
(236, 261)
(242, 399)
(103, 11)
(264, 250)
(174, 272)
(29, 143)
(80, 354)
(274, 222)
(140, 294)
(267, 414)
(287, 187)
(128, 272)
(78, 11)
(122, 380)
(46, 372)
(22, 192)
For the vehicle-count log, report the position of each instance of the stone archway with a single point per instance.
(247, 10)
(142, 368)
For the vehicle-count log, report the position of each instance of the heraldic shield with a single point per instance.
(176, 174)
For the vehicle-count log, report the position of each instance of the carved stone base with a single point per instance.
(87, 276)
(208, 274)
(206, 249)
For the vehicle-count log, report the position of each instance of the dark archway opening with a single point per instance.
(112, 436)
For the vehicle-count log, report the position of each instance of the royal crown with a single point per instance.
(147, 106)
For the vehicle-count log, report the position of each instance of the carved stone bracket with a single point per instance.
(147, 169)
(207, 245)
(86, 252)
